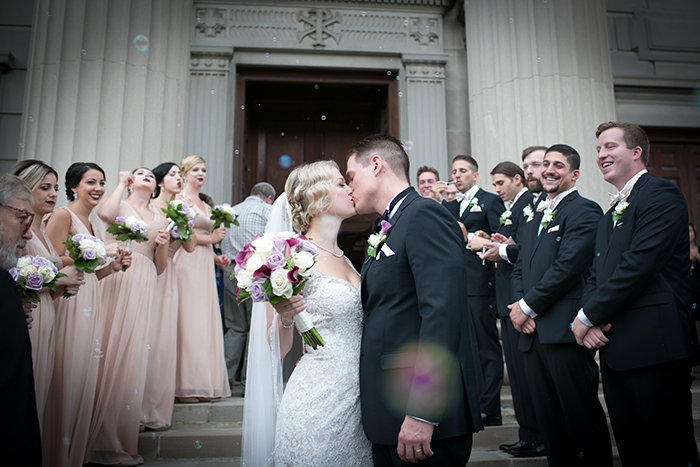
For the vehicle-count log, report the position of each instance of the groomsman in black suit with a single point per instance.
(556, 250)
(19, 424)
(636, 306)
(418, 364)
(479, 212)
(508, 180)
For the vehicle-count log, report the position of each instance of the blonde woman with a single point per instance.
(201, 368)
(43, 181)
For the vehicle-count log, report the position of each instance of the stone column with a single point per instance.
(539, 74)
(425, 105)
(107, 83)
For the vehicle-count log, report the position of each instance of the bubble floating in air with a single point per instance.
(66, 441)
(285, 161)
(323, 117)
(141, 43)
(84, 52)
(400, 94)
(267, 54)
(98, 353)
(198, 444)
(405, 22)
(408, 144)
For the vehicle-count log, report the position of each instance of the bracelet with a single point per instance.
(287, 327)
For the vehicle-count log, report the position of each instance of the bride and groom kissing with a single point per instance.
(397, 381)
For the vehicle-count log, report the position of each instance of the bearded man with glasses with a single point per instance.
(19, 424)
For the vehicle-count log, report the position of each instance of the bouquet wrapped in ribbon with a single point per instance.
(128, 228)
(86, 251)
(32, 274)
(273, 267)
(224, 214)
(181, 217)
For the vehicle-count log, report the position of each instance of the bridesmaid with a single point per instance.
(43, 181)
(201, 368)
(78, 326)
(159, 395)
(127, 300)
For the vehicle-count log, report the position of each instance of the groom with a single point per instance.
(418, 363)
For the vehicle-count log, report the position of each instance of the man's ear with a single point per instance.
(575, 174)
(377, 164)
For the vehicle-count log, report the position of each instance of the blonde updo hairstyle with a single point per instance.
(308, 190)
(190, 161)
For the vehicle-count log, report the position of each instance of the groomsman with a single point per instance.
(508, 180)
(548, 279)
(479, 212)
(636, 306)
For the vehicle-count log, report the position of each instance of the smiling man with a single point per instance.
(636, 306)
(556, 250)
(426, 178)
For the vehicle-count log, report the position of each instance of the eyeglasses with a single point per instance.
(25, 217)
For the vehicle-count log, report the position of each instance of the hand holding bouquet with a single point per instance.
(128, 228)
(224, 214)
(181, 218)
(32, 274)
(276, 267)
(86, 251)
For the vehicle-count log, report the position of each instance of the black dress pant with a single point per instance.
(447, 452)
(563, 381)
(483, 312)
(651, 413)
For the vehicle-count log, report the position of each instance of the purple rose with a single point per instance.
(14, 272)
(257, 291)
(144, 234)
(53, 268)
(120, 219)
(237, 268)
(308, 247)
(276, 260)
(77, 237)
(174, 233)
(136, 228)
(184, 209)
(89, 254)
(35, 281)
(39, 261)
(190, 222)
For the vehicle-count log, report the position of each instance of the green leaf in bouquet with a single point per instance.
(32, 295)
(52, 284)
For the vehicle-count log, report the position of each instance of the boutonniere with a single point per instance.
(376, 240)
(505, 218)
(547, 217)
(619, 210)
(474, 205)
(528, 213)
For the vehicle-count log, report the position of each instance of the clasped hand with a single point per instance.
(521, 322)
(591, 337)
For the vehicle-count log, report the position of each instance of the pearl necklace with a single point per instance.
(326, 249)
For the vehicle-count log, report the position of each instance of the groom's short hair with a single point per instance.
(388, 148)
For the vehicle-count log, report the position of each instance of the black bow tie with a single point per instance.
(378, 222)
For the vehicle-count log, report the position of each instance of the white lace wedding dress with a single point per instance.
(319, 422)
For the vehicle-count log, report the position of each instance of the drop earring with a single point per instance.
(75, 195)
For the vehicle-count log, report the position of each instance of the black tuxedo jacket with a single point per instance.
(414, 303)
(552, 268)
(504, 269)
(512, 251)
(640, 282)
(480, 277)
(19, 425)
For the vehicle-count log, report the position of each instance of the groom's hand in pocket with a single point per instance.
(414, 440)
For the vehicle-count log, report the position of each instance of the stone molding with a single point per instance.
(211, 59)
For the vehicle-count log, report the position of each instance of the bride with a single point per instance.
(316, 421)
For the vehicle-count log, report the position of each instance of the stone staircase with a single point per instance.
(209, 435)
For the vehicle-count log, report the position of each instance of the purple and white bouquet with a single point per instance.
(86, 251)
(128, 228)
(224, 214)
(273, 267)
(32, 274)
(181, 217)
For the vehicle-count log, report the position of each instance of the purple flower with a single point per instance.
(279, 244)
(77, 237)
(190, 222)
(14, 272)
(89, 254)
(308, 247)
(144, 234)
(174, 233)
(120, 219)
(276, 260)
(237, 268)
(39, 261)
(53, 268)
(184, 209)
(136, 228)
(35, 281)
(257, 291)
(242, 256)
(385, 227)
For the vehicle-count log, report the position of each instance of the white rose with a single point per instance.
(86, 243)
(191, 214)
(253, 263)
(620, 208)
(23, 262)
(303, 260)
(47, 273)
(507, 214)
(229, 210)
(130, 221)
(244, 278)
(281, 286)
(263, 246)
(28, 269)
(373, 240)
(100, 249)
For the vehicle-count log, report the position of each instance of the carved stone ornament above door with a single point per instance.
(318, 25)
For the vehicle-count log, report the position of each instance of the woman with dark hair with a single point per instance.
(78, 325)
(128, 300)
(43, 181)
(159, 394)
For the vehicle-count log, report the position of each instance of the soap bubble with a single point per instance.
(274, 39)
(87, 311)
(141, 43)
(388, 73)
(98, 353)
(323, 117)
(84, 52)
(408, 144)
(400, 94)
(267, 54)
(405, 22)
(316, 86)
(285, 161)
(212, 91)
(197, 444)
(398, 78)
(66, 441)
(364, 14)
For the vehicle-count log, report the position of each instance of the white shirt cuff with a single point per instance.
(470, 235)
(424, 421)
(583, 318)
(502, 251)
(526, 309)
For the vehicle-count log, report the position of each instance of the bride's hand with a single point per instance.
(287, 308)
